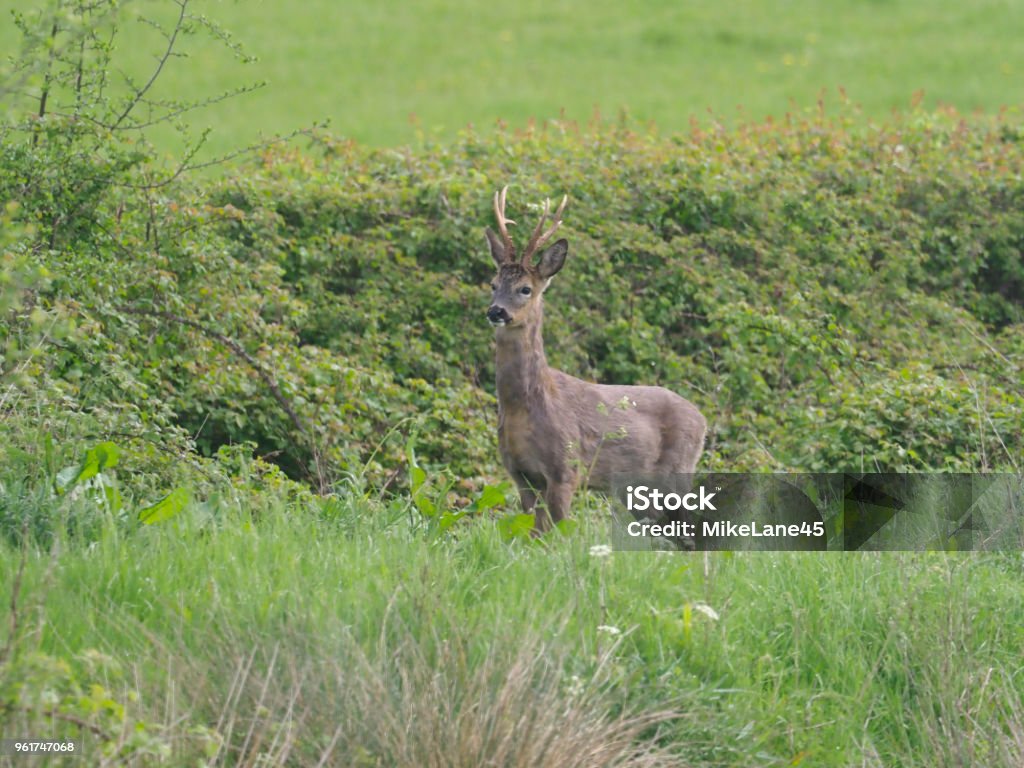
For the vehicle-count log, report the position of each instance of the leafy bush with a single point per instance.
(79, 187)
(833, 295)
(791, 279)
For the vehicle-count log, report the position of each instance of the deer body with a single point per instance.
(556, 431)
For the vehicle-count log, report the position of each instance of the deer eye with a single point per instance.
(526, 290)
(494, 286)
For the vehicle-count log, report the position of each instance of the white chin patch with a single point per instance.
(498, 324)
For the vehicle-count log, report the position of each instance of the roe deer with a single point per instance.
(555, 430)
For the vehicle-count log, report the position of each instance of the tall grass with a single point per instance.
(357, 637)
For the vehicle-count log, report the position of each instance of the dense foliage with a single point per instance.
(832, 301)
(832, 297)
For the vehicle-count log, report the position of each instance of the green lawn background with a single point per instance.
(387, 73)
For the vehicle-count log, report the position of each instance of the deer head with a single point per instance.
(519, 285)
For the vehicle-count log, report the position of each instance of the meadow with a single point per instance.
(280, 638)
(387, 74)
(251, 508)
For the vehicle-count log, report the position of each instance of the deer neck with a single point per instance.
(522, 368)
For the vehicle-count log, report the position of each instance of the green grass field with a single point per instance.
(369, 66)
(359, 633)
(832, 296)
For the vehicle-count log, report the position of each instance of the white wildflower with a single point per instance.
(575, 687)
(609, 630)
(600, 550)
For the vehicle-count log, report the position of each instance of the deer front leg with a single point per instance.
(557, 501)
(527, 491)
(528, 498)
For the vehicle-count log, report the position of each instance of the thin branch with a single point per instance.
(161, 62)
(988, 346)
(186, 167)
(85, 725)
(79, 75)
(47, 80)
(177, 109)
(235, 347)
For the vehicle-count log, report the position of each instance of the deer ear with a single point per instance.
(497, 247)
(552, 259)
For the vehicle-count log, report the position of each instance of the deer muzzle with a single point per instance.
(498, 316)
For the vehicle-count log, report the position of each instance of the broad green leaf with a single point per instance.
(425, 506)
(107, 455)
(166, 508)
(448, 519)
(103, 456)
(66, 478)
(516, 526)
(417, 477)
(89, 468)
(491, 496)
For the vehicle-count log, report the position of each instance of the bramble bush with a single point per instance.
(833, 295)
(805, 283)
(793, 280)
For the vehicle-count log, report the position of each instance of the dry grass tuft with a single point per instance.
(409, 703)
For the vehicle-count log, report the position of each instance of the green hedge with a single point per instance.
(833, 296)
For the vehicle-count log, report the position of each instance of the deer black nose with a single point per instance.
(497, 315)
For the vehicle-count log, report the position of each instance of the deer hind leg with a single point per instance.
(681, 446)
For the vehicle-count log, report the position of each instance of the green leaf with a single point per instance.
(89, 468)
(107, 455)
(66, 478)
(448, 519)
(48, 451)
(166, 508)
(491, 496)
(516, 526)
(425, 506)
(103, 456)
(416, 479)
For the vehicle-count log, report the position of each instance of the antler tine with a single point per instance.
(499, 212)
(540, 235)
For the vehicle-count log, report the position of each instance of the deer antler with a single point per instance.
(499, 212)
(540, 235)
